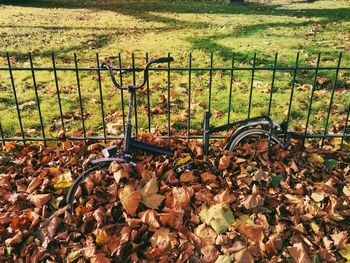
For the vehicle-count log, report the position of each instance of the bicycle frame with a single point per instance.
(244, 125)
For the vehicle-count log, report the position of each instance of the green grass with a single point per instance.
(179, 27)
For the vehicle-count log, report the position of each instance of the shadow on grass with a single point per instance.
(144, 10)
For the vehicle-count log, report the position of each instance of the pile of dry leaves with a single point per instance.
(230, 207)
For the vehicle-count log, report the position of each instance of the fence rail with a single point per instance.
(188, 72)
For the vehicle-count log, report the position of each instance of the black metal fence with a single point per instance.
(230, 74)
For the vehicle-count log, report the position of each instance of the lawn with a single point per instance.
(160, 27)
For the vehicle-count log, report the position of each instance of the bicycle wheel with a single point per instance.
(72, 191)
(251, 134)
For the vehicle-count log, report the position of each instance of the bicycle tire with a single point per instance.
(73, 189)
(250, 132)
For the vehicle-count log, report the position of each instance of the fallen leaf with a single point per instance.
(253, 201)
(130, 199)
(298, 253)
(164, 239)
(39, 200)
(153, 201)
(219, 217)
(316, 159)
(345, 252)
(253, 232)
(225, 197)
(244, 256)
(187, 177)
(63, 181)
(208, 177)
(149, 217)
(224, 259)
(182, 196)
(224, 162)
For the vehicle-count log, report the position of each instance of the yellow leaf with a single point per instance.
(63, 181)
(346, 252)
(102, 237)
(294, 199)
(316, 159)
(184, 158)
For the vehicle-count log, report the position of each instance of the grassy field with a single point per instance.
(160, 27)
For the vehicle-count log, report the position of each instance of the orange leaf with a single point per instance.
(187, 177)
(208, 177)
(224, 162)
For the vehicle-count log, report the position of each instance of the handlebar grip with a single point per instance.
(163, 60)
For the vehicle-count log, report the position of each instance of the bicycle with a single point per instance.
(248, 129)
(129, 142)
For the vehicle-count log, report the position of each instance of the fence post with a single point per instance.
(189, 97)
(210, 81)
(346, 124)
(134, 82)
(292, 92)
(101, 96)
(230, 95)
(37, 97)
(15, 96)
(148, 100)
(169, 130)
(332, 96)
(2, 133)
(79, 93)
(57, 88)
(312, 95)
(121, 92)
(272, 83)
(251, 86)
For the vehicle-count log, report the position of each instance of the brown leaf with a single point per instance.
(225, 197)
(244, 256)
(299, 254)
(16, 239)
(164, 239)
(130, 199)
(206, 234)
(208, 177)
(100, 258)
(340, 239)
(94, 147)
(187, 177)
(224, 162)
(149, 217)
(99, 215)
(153, 200)
(253, 201)
(36, 181)
(89, 251)
(52, 227)
(182, 196)
(253, 232)
(39, 200)
(210, 253)
(121, 173)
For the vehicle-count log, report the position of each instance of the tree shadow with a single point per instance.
(150, 11)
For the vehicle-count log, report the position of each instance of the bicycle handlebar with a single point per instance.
(145, 73)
